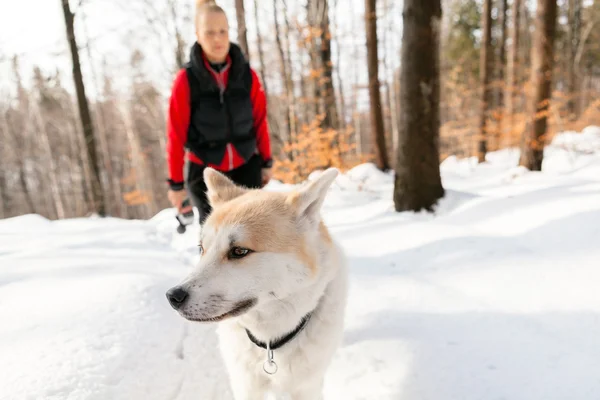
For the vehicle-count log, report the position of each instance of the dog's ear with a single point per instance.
(309, 199)
(220, 188)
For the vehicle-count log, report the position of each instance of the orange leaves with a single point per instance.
(316, 148)
(136, 198)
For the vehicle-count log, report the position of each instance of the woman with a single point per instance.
(217, 112)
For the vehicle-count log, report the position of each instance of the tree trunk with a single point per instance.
(328, 92)
(320, 54)
(5, 192)
(271, 114)
(3, 196)
(286, 78)
(501, 69)
(377, 126)
(259, 42)
(573, 37)
(101, 118)
(240, 14)
(418, 183)
(179, 42)
(294, 111)
(315, 74)
(542, 58)
(86, 120)
(355, 81)
(513, 63)
(485, 69)
(22, 132)
(389, 74)
(50, 167)
(342, 116)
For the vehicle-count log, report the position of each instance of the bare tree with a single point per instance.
(389, 74)
(21, 134)
(286, 77)
(513, 63)
(418, 182)
(50, 166)
(502, 9)
(339, 70)
(84, 112)
(240, 14)
(6, 164)
(542, 59)
(485, 70)
(259, 43)
(377, 126)
(573, 40)
(322, 65)
(179, 42)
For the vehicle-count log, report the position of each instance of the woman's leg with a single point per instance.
(197, 190)
(249, 174)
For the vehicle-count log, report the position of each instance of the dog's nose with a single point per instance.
(177, 296)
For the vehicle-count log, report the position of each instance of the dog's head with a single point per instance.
(256, 246)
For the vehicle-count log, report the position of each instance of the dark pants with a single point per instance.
(248, 175)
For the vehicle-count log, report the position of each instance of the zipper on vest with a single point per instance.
(222, 88)
(230, 152)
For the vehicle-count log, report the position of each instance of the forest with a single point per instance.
(403, 85)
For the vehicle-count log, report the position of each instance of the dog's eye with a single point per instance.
(200, 249)
(238, 252)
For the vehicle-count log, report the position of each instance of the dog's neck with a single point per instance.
(280, 316)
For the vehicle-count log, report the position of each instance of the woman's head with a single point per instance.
(212, 30)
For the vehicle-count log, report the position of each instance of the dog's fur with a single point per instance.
(294, 267)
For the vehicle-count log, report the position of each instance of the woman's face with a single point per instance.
(213, 35)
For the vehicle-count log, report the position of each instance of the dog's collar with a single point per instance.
(279, 342)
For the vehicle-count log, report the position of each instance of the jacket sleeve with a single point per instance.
(178, 119)
(259, 111)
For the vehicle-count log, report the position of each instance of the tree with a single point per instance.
(84, 113)
(513, 63)
(418, 182)
(240, 14)
(179, 41)
(542, 59)
(286, 78)
(501, 67)
(377, 127)
(259, 44)
(321, 63)
(573, 38)
(485, 71)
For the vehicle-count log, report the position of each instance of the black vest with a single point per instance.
(219, 118)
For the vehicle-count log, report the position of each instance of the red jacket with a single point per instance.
(179, 117)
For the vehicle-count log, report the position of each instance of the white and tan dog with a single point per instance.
(274, 279)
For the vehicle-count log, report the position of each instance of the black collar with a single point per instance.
(274, 345)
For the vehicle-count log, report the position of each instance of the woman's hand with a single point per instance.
(267, 174)
(176, 197)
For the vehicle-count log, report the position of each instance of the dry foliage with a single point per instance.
(317, 148)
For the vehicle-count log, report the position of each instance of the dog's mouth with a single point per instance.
(238, 309)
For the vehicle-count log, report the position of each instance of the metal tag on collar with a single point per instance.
(269, 366)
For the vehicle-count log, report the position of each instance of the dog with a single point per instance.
(275, 281)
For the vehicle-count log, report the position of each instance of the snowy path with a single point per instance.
(85, 317)
(493, 298)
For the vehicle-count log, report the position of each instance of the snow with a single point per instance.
(492, 297)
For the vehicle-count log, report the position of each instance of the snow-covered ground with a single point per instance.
(493, 297)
